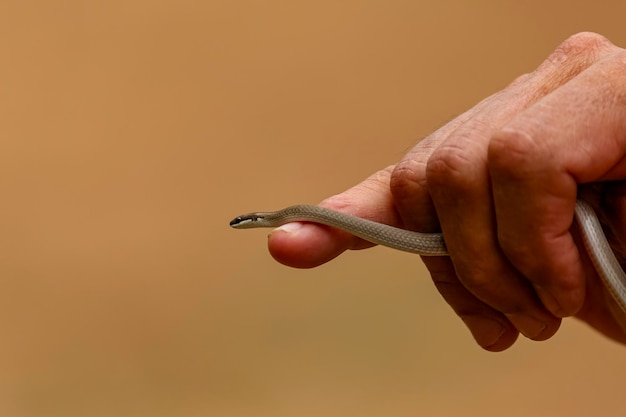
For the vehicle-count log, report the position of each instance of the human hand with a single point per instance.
(500, 181)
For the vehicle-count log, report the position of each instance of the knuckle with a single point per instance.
(410, 174)
(449, 167)
(460, 163)
(407, 178)
(569, 59)
(512, 152)
(581, 48)
(582, 44)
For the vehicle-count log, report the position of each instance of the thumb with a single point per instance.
(306, 245)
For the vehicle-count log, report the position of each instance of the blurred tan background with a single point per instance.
(132, 131)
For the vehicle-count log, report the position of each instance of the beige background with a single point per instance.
(132, 131)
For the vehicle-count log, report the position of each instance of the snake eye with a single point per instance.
(236, 221)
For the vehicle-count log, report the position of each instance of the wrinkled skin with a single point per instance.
(501, 181)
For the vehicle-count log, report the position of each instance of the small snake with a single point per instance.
(432, 244)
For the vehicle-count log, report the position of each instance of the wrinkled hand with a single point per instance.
(501, 181)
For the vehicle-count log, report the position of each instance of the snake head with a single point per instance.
(245, 221)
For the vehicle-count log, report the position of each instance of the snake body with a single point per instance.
(432, 244)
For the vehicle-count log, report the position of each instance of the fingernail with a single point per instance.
(486, 331)
(290, 228)
(549, 302)
(529, 326)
